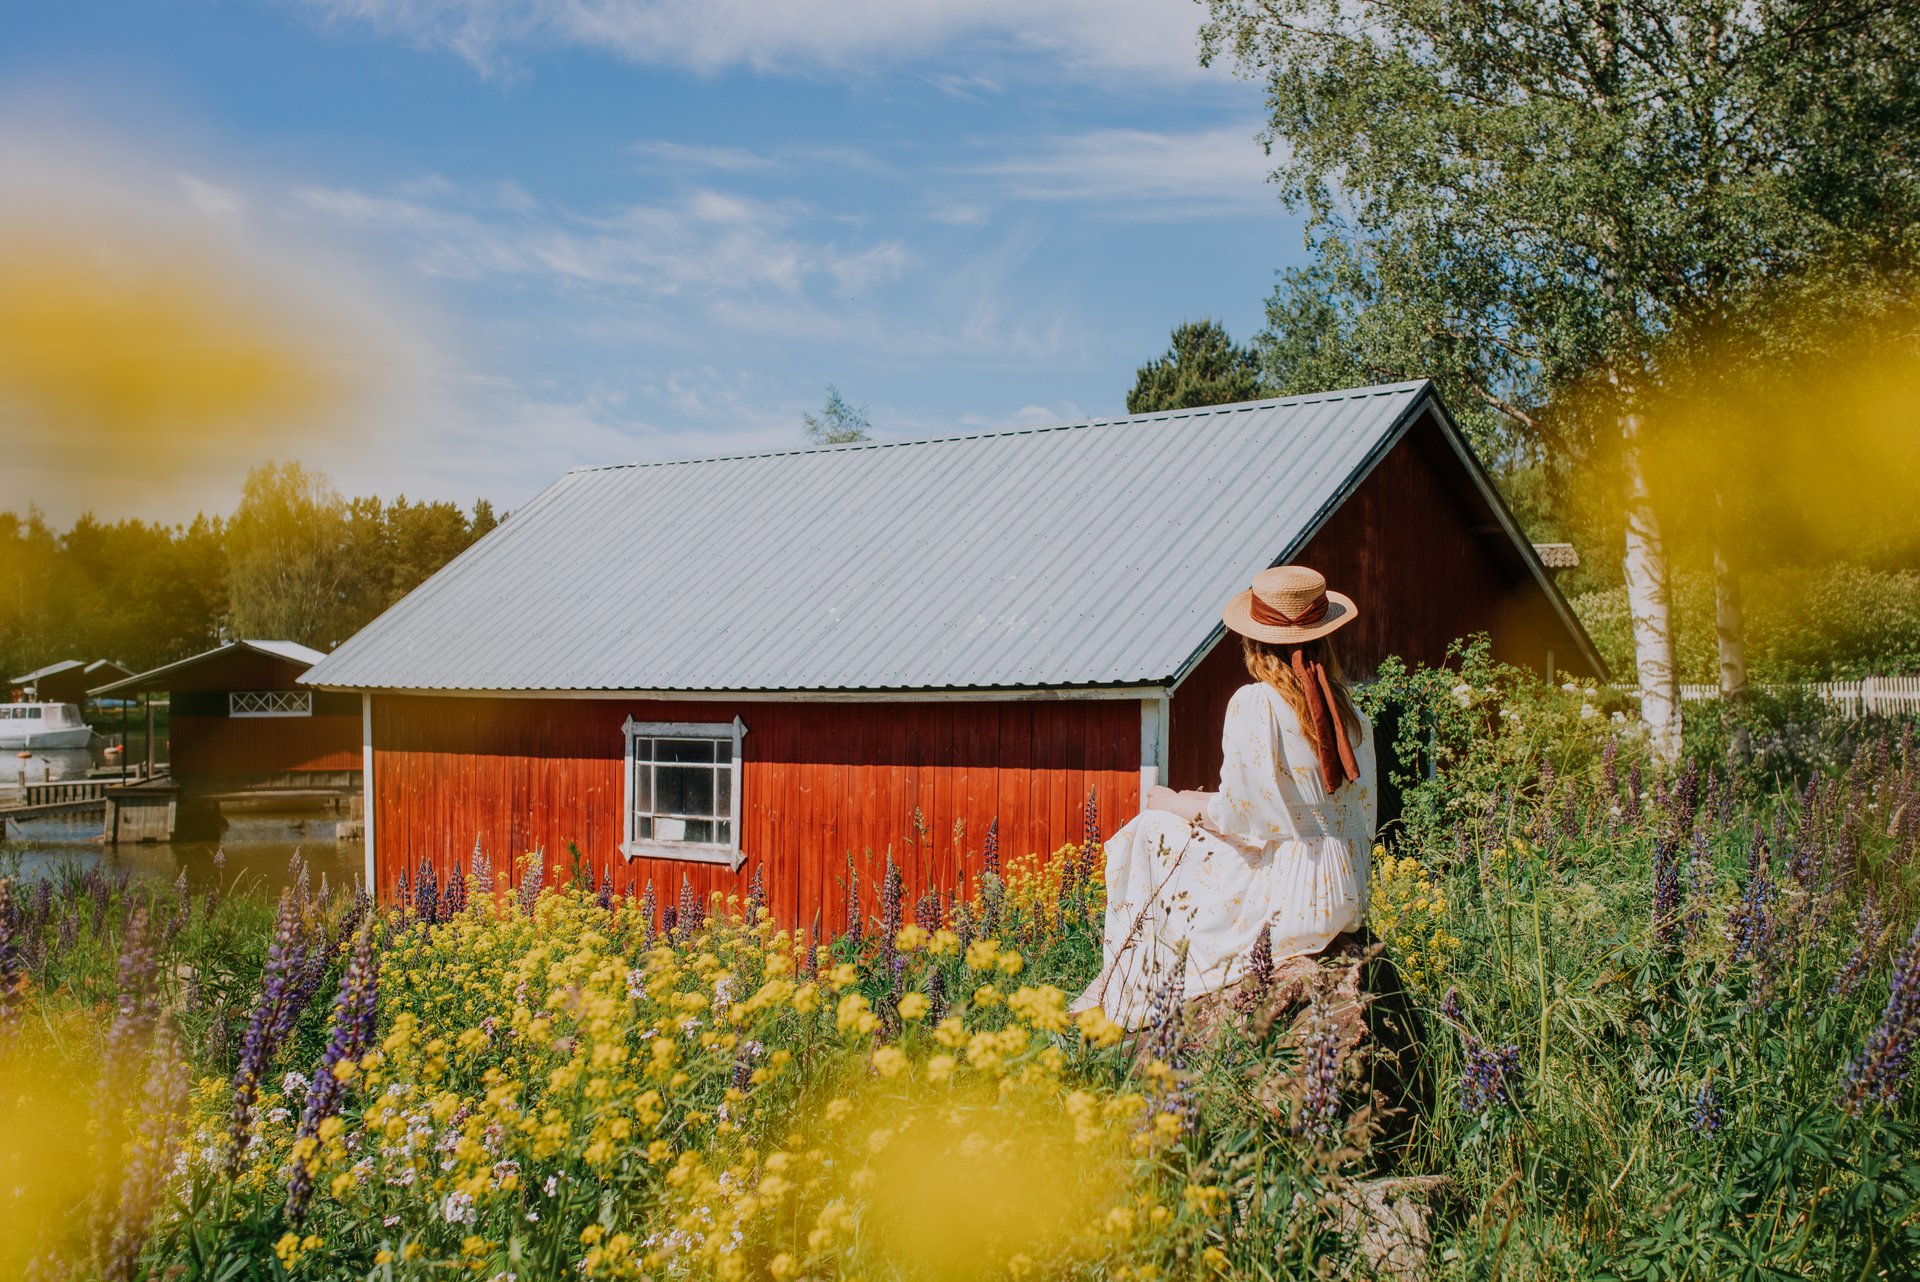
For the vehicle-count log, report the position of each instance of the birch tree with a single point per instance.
(1531, 199)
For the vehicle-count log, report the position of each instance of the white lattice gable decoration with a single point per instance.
(270, 703)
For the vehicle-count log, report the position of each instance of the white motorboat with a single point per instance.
(43, 725)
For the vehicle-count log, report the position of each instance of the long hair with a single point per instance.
(1272, 662)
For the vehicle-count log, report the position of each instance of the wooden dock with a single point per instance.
(62, 797)
(69, 797)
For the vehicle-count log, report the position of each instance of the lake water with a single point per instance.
(259, 841)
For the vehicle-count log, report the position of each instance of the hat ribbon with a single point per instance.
(1269, 617)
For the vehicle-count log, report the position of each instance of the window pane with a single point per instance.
(723, 790)
(700, 830)
(643, 828)
(723, 832)
(642, 787)
(686, 750)
(683, 790)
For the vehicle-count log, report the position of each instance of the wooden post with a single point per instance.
(147, 699)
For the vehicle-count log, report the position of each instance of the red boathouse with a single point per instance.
(782, 662)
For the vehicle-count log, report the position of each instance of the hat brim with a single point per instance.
(1239, 617)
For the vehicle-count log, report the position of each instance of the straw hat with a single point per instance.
(1289, 604)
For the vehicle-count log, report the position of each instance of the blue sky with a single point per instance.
(576, 231)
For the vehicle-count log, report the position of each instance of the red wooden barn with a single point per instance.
(693, 670)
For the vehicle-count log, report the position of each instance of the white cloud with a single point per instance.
(1155, 36)
(1138, 173)
(702, 242)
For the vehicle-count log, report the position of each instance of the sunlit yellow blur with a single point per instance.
(1794, 437)
(46, 1171)
(149, 355)
(967, 1184)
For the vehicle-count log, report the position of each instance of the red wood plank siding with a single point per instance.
(1418, 549)
(822, 783)
(263, 745)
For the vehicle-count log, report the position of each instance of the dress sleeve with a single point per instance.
(1252, 804)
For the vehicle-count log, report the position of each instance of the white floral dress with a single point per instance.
(1272, 851)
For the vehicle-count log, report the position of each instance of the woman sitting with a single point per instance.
(1282, 847)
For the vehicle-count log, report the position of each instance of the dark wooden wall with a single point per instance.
(822, 782)
(1420, 552)
(238, 747)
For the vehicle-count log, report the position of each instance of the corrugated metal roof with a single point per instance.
(292, 651)
(1089, 554)
(52, 669)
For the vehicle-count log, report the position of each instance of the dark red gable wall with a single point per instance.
(219, 745)
(1419, 551)
(263, 745)
(822, 782)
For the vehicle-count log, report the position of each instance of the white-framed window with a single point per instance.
(270, 703)
(683, 790)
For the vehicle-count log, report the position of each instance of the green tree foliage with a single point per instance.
(287, 556)
(131, 591)
(295, 561)
(838, 422)
(1202, 366)
(1519, 199)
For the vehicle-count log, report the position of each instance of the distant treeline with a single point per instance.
(295, 561)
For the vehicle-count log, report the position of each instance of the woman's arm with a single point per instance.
(1189, 805)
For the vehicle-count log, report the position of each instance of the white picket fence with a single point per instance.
(1892, 695)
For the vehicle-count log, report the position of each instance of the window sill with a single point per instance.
(690, 852)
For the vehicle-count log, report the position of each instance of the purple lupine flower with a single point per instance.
(278, 1007)
(1699, 887)
(756, 893)
(1708, 1115)
(1879, 1072)
(688, 915)
(1093, 848)
(12, 964)
(1257, 987)
(1166, 1036)
(136, 1011)
(354, 1009)
(936, 996)
(649, 909)
(1868, 930)
(1630, 804)
(1450, 1008)
(893, 901)
(1682, 803)
(1319, 1113)
(402, 895)
(927, 912)
(531, 878)
(453, 899)
(853, 932)
(1610, 768)
(150, 1162)
(604, 895)
(1666, 894)
(426, 893)
(182, 911)
(481, 871)
(990, 855)
(1069, 883)
(1490, 1077)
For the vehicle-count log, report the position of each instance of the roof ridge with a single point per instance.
(1196, 411)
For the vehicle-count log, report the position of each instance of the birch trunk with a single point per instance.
(1651, 605)
(1730, 634)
